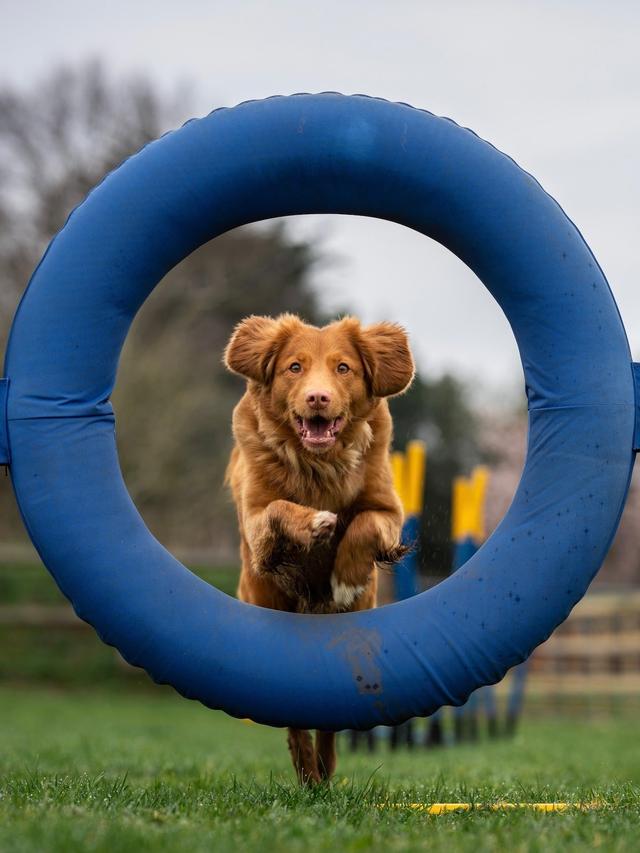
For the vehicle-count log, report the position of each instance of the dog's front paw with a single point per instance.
(323, 525)
(344, 594)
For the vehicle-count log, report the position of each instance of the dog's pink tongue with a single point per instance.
(316, 427)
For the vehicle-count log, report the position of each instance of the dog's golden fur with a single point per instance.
(310, 472)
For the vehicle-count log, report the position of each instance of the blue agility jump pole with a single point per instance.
(468, 533)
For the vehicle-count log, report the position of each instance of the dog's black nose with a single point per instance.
(318, 399)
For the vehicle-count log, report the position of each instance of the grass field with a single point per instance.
(116, 771)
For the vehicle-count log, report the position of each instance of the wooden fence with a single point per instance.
(593, 659)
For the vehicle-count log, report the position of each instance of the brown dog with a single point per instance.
(310, 472)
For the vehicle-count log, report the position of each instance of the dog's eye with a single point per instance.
(343, 368)
(296, 367)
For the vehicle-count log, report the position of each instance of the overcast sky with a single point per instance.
(554, 84)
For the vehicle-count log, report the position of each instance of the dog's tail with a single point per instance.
(393, 555)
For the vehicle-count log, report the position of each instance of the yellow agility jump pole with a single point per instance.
(408, 471)
(468, 529)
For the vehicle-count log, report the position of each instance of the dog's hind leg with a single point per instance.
(326, 753)
(303, 756)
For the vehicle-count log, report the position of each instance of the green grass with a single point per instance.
(104, 771)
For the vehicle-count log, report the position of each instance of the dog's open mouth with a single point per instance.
(318, 433)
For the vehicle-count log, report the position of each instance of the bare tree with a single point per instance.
(57, 141)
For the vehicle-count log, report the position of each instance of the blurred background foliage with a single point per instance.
(173, 398)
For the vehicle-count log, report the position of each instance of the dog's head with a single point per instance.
(320, 383)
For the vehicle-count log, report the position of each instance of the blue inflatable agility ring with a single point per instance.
(320, 154)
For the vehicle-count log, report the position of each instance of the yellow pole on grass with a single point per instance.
(408, 470)
(415, 468)
(397, 471)
(468, 502)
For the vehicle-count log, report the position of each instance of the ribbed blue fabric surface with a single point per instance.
(313, 154)
(5, 455)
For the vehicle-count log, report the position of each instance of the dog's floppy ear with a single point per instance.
(253, 348)
(387, 358)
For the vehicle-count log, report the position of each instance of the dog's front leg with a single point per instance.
(272, 529)
(373, 535)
